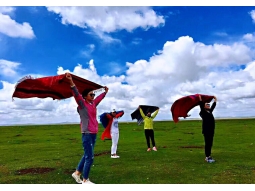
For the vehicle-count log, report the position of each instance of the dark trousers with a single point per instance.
(149, 135)
(208, 144)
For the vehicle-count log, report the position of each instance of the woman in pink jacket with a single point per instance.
(89, 128)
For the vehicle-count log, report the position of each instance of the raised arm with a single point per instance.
(141, 112)
(77, 96)
(99, 98)
(214, 104)
(154, 114)
(119, 114)
(108, 115)
(201, 103)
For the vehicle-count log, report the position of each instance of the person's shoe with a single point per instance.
(149, 149)
(154, 148)
(87, 182)
(114, 156)
(209, 159)
(117, 156)
(77, 178)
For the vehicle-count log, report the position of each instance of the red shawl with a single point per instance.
(56, 87)
(182, 106)
(107, 131)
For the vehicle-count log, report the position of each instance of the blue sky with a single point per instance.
(145, 55)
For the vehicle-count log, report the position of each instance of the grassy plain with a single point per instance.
(48, 154)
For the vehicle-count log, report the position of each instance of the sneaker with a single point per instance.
(209, 159)
(114, 156)
(77, 178)
(87, 182)
(154, 148)
(149, 149)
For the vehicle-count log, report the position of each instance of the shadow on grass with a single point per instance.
(43, 170)
(40, 170)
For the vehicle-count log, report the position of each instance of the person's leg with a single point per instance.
(117, 140)
(79, 168)
(88, 144)
(210, 140)
(152, 138)
(114, 143)
(147, 136)
(94, 138)
(208, 146)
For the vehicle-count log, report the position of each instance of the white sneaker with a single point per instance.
(154, 148)
(77, 178)
(209, 159)
(87, 182)
(115, 156)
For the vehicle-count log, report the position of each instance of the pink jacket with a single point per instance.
(87, 111)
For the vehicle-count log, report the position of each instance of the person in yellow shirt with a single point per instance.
(148, 128)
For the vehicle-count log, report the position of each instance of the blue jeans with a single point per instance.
(88, 143)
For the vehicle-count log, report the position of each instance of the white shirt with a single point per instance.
(115, 126)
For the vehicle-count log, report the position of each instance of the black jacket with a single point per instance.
(208, 123)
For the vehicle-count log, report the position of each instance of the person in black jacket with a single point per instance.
(208, 126)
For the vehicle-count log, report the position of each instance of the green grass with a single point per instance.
(179, 159)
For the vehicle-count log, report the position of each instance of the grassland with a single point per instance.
(48, 154)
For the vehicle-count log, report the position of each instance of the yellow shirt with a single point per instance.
(148, 121)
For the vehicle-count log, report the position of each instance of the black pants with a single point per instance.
(208, 144)
(149, 135)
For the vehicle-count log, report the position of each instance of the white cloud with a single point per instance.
(183, 67)
(251, 69)
(8, 68)
(88, 51)
(13, 29)
(252, 13)
(4, 9)
(249, 37)
(103, 20)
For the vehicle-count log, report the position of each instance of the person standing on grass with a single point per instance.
(148, 128)
(112, 131)
(208, 126)
(89, 128)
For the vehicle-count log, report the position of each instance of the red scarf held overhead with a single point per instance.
(182, 106)
(56, 87)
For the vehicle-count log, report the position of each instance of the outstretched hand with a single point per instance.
(69, 77)
(200, 99)
(106, 89)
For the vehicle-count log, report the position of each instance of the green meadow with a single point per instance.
(49, 154)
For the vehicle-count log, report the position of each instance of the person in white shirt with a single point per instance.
(113, 129)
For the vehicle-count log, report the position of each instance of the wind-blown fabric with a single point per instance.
(106, 120)
(146, 108)
(56, 87)
(182, 106)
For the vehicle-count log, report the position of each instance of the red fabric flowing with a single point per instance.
(56, 87)
(182, 106)
(107, 132)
